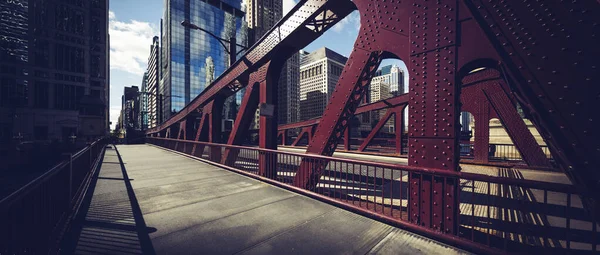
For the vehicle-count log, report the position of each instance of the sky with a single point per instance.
(133, 23)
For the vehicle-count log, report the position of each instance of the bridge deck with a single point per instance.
(148, 200)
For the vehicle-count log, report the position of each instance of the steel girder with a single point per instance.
(423, 34)
(246, 113)
(397, 113)
(549, 51)
(261, 89)
(484, 94)
(546, 51)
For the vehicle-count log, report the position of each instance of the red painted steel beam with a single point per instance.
(267, 162)
(243, 119)
(201, 133)
(305, 131)
(300, 124)
(475, 99)
(376, 129)
(394, 101)
(397, 112)
(384, 104)
(530, 150)
(369, 49)
(433, 102)
(549, 51)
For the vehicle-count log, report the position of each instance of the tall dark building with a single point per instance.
(187, 53)
(53, 69)
(130, 108)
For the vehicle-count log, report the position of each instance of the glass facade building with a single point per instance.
(185, 51)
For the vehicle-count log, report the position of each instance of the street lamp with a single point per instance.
(230, 48)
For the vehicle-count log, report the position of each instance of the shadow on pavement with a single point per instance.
(110, 220)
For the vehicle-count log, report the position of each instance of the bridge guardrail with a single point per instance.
(34, 218)
(497, 213)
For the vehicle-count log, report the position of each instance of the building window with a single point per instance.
(13, 92)
(96, 67)
(66, 97)
(69, 58)
(41, 95)
(69, 19)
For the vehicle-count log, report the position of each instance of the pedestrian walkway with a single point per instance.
(149, 200)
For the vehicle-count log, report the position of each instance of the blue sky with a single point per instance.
(133, 23)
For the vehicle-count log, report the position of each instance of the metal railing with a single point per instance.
(497, 213)
(510, 152)
(33, 218)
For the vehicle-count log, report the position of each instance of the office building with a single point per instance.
(185, 50)
(394, 77)
(379, 90)
(130, 109)
(261, 16)
(319, 73)
(142, 118)
(153, 97)
(53, 70)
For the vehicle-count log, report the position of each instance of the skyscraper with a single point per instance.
(53, 70)
(153, 95)
(319, 74)
(143, 102)
(379, 89)
(261, 16)
(184, 50)
(393, 76)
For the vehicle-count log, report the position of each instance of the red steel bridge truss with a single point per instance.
(539, 54)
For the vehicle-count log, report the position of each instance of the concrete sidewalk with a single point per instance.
(190, 207)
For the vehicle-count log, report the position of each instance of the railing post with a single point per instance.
(90, 152)
(70, 155)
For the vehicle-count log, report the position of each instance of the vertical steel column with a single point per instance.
(246, 114)
(181, 133)
(433, 114)
(283, 134)
(267, 134)
(202, 132)
(347, 138)
(482, 132)
(214, 128)
(398, 121)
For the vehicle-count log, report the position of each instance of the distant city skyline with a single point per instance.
(133, 25)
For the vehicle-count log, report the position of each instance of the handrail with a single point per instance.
(484, 200)
(40, 179)
(37, 215)
(555, 187)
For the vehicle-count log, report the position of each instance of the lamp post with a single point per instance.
(230, 48)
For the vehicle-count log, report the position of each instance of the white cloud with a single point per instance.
(130, 44)
(288, 5)
(352, 20)
(114, 115)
